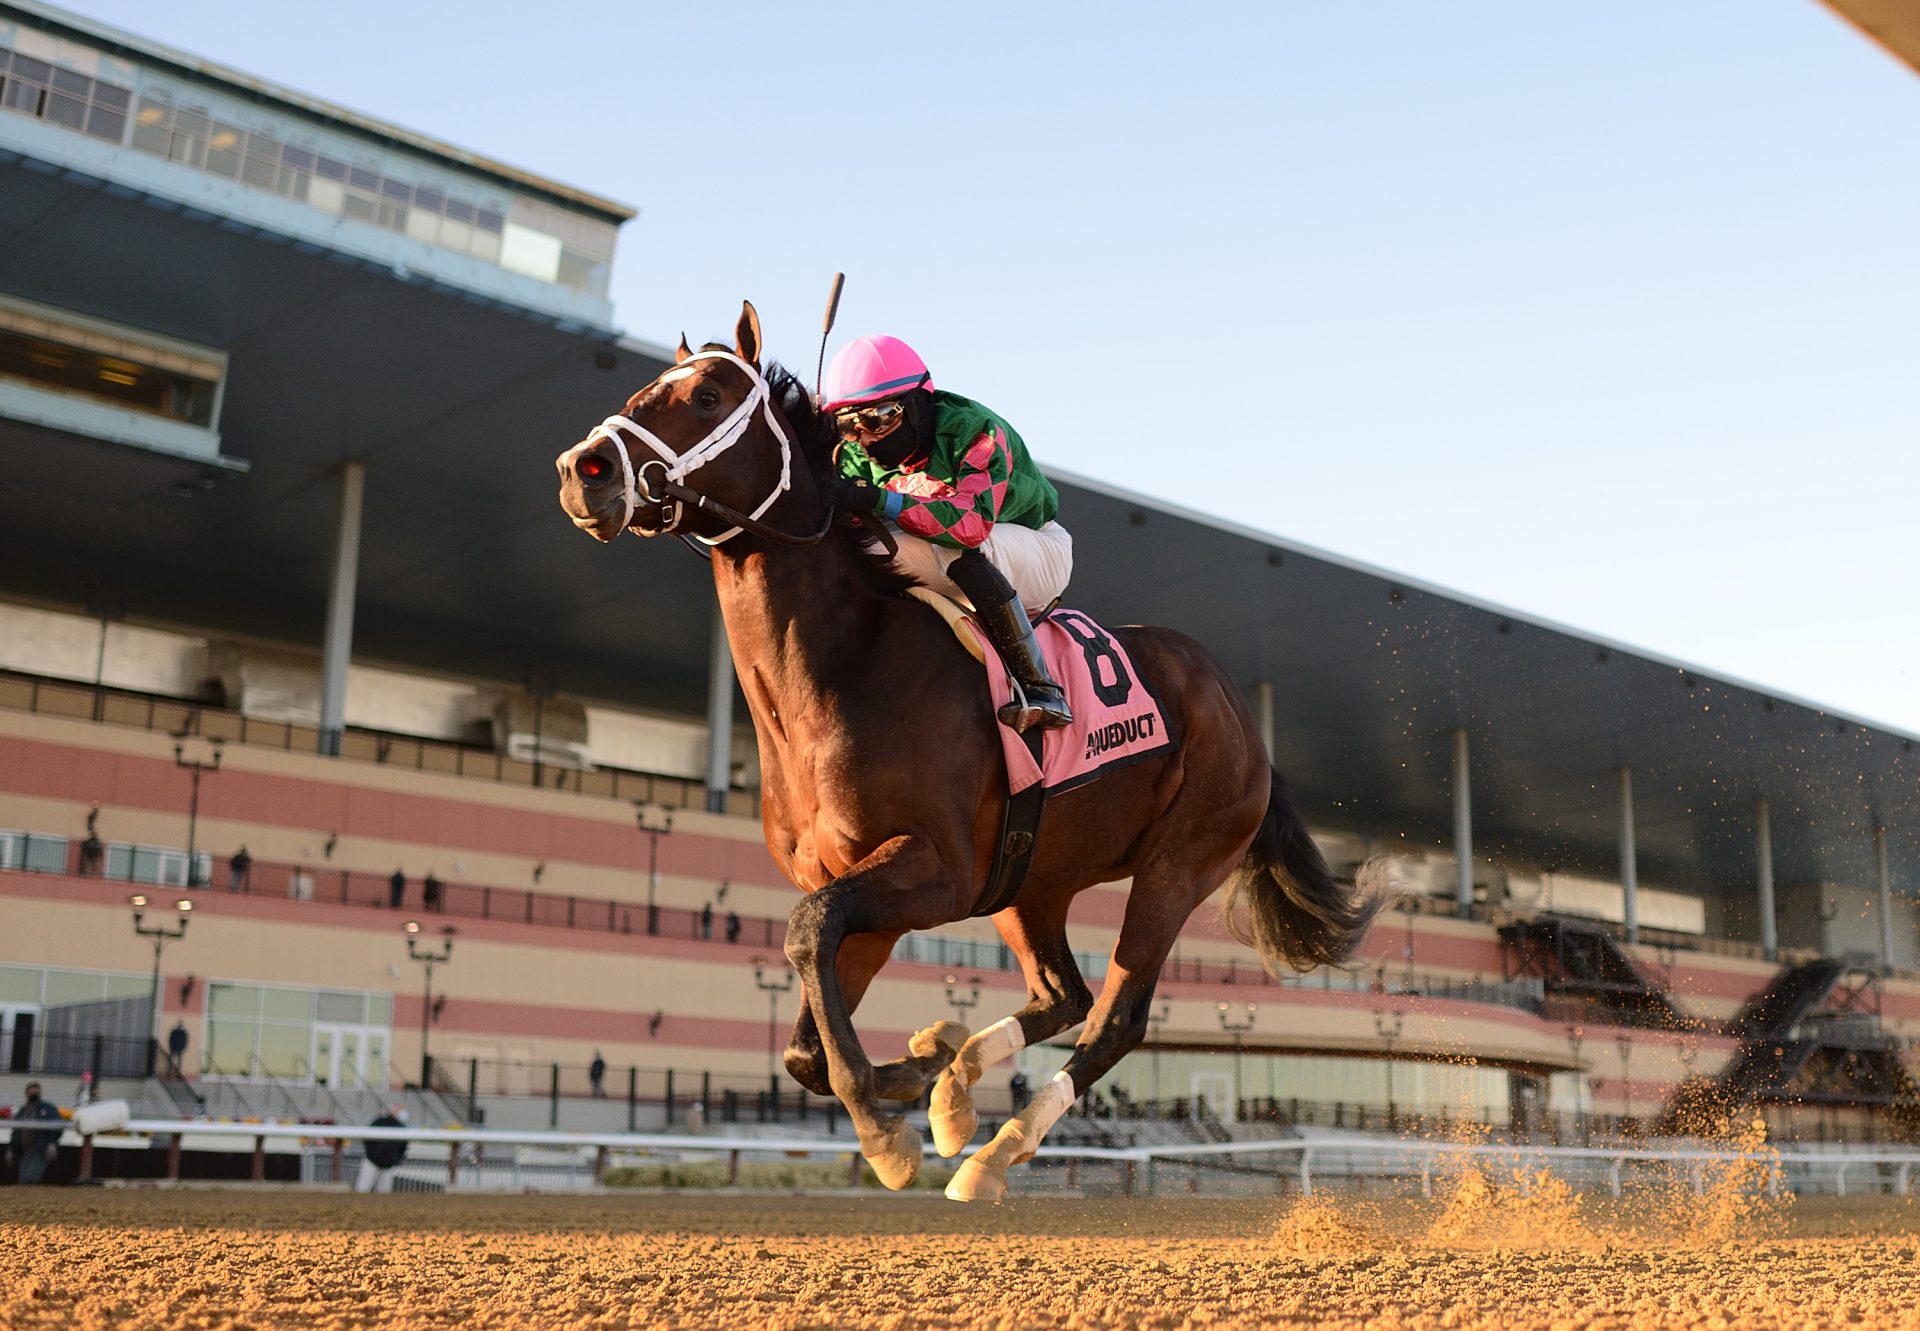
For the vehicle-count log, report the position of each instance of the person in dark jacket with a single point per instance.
(33, 1149)
(383, 1155)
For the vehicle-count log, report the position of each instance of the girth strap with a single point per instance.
(1019, 831)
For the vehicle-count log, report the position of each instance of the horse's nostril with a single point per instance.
(593, 467)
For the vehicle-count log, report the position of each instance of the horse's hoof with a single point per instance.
(976, 1181)
(951, 1116)
(896, 1161)
(944, 1038)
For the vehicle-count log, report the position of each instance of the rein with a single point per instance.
(660, 479)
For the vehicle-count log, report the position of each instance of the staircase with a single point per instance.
(1812, 1036)
(1590, 974)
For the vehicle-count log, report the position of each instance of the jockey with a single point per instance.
(973, 516)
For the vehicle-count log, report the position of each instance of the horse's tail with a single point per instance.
(1287, 905)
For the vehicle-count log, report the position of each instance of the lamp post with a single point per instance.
(1236, 1027)
(772, 989)
(1155, 1020)
(962, 1006)
(161, 936)
(196, 769)
(1624, 1043)
(656, 820)
(1576, 1034)
(108, 610)
(429, 959)
(1411, 906)
(1388, 1028)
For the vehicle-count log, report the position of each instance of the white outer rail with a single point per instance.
(1616, 1157)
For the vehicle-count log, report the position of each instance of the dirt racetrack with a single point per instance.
(245, 1259)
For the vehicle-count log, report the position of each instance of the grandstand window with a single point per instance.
(70, 354)
(63, 97)
(332, 1035)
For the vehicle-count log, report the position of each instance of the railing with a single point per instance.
(471, 901)
(181, 718)
(1312, 1161)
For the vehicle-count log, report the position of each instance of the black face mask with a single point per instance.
(913, 440)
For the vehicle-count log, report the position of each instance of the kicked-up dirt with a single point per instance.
(1479, 1257)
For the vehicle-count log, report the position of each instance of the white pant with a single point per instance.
(1038, 564)
(373, 1178)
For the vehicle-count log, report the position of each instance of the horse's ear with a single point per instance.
(683, 352)
(746, 337)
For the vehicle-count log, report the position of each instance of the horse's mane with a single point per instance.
(816, 438)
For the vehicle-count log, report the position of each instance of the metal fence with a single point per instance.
(182, 718)
(1300, 1166)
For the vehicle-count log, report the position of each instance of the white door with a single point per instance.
(1216, 1088)
(350, 1057)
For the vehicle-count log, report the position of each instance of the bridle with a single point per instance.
(660, 480)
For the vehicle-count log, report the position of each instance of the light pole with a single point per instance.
(1576, 1034)
(1155, 1020)
(196, 769)
(1411, 906)
(773, 989)
(1624, 1043)
(107, 611)
(962, 1006)
(1388, 1028)
(161, 936)
(428, 959)
(1236, 1027)
(656, 820)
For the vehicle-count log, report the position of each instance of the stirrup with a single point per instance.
(1025, 710)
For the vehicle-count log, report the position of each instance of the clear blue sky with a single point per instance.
(1608, 312)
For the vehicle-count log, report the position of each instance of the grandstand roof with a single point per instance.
(458, 405)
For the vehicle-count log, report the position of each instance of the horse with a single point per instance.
(883, 779)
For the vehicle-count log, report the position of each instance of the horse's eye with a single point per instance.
(707, 399)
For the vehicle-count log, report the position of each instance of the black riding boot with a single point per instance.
(998, 609)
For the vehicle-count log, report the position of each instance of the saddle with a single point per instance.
(1118, 720)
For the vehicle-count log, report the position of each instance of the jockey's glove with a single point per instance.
(853, 496)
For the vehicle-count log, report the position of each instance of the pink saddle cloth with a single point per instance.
(1117, 720)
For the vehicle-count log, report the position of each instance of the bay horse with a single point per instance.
(883, 781)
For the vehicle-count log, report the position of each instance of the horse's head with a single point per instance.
(696, 451)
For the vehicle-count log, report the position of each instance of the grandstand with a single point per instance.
(281, 569)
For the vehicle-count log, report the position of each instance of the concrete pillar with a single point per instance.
(1629, 861)
(1763, 850)
(1886, 897)
(1462, 827)
(1263, 714)
(719, 714)
(340, 596)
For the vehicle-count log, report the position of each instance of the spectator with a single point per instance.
(397, 890)
(430, 889)
(240, 869)
(177, 1051)
(597, 1075)
(383, 1156)
(733, 926)
(93, 849)
(706, 920)
(1017, 1087)
(33, 1149)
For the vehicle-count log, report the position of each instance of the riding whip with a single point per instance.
(826, 326)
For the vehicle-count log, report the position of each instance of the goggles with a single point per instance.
(873, 419)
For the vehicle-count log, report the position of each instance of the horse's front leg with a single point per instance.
(902, 886)
(930, 1050)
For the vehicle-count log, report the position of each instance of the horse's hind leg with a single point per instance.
(1057, 999)
(1156, 908)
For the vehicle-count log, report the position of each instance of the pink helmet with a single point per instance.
(870, 368)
